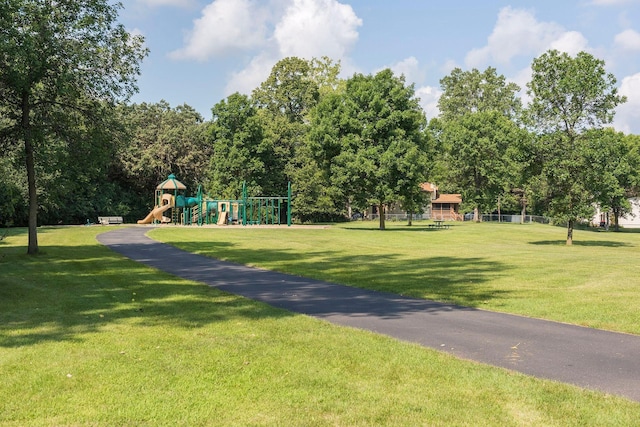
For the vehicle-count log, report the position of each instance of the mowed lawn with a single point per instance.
(523, 269)
(88, 338)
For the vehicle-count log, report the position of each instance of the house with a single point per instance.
(446, 207)
(629, 221)
(443, 206)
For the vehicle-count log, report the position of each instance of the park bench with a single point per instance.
(109, 220)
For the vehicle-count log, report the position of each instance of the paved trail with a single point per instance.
(589, 358)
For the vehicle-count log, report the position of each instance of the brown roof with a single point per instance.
(448, 198)
(427, 186)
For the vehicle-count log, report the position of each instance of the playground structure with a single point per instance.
(172, 206)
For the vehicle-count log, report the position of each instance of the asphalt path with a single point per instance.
(589, 358)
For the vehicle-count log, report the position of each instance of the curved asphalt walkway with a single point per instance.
(589, 358)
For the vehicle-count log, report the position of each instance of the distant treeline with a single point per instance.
(346, 144)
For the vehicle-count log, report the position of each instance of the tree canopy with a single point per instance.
(483, 157)
(240, 151)
(58, 59)
(478, 136)
(370, 137)
(570, 95)
(343, 144)
(616, 161)
(473, 91)
(158, 140)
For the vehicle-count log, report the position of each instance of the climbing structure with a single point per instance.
(173, 206)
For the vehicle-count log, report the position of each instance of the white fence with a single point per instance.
(518, 219)
(399, 217)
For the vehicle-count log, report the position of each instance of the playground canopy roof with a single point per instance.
(171, 183)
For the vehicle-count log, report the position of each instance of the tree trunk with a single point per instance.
(410, 219)
(32, 248)
(616, 219)
(570, 233)
(476, 214)
(382, 213)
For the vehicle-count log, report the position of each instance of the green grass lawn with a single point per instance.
(88, 338)
(523, 269)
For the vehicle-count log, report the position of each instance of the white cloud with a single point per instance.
(269, 31)
(521, 79)
(249, 78)
(317, 28)
(409, 68)
(571, 42)
(628, 114)
(226, 26)
(303, 28)
(518, 33)
(429, 97)
(628, 40)
(448, 66)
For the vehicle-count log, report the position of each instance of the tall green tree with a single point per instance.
(12, 192)
(567, 182)
(478, 137)
(465, 92)
(370, 138)
(570, 95)
(161, 140)
(73, 166)
(483, 155)
(289, 90)
(286, 100)
(61, 55)
(615, 160)
(240, 151)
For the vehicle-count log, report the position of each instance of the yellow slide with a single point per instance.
(156, 213)
(222, 218)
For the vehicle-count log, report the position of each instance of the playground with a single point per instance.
(174, 206)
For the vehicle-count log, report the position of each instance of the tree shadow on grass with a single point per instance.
(448, 279)
(9, 232)
(71, 291)
(586, 243)
(405, 228)
(625, 230)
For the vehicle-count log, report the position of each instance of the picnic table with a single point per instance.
(439, 224)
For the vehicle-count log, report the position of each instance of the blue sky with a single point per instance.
(201, 51)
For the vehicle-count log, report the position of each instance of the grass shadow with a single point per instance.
(624, 230)
(586, 243)
(456, 280)
(404, 228)
(67, 292)
(8, 232)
